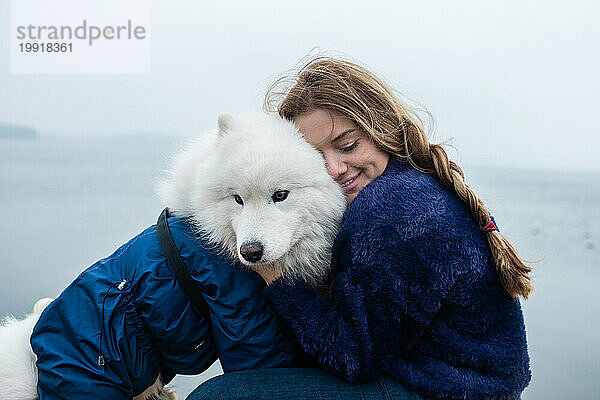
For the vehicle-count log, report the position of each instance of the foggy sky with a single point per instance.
(509, 83)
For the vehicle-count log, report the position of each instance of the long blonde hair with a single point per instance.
(393, 126)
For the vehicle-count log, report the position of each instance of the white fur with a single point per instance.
(252, 156)
(18, 376)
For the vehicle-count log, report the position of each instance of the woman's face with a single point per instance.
(351, 158)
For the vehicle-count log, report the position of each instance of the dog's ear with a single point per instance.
(225, 123)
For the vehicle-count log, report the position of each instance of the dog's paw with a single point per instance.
(167, 394)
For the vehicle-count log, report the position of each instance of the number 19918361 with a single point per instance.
(46, 47)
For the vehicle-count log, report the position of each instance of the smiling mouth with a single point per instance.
(351, 181)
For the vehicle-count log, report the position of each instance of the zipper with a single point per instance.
(120, 286)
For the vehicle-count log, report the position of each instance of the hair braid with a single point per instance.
(512, 271)
(357, 94)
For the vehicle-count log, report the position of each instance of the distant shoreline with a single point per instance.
(19, 132)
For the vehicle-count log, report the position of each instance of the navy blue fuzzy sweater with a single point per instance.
(415, 296)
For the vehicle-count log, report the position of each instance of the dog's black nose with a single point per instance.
(251, 251)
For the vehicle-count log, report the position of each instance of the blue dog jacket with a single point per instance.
(126, 319)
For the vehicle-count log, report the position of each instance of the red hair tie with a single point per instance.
(491, 226)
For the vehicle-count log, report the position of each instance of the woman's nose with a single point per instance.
(335, 166)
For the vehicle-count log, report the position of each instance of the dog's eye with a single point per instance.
(280, 195)
(238, 199)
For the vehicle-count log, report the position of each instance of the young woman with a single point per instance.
(424, 292)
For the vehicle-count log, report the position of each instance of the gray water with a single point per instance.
(68, 202)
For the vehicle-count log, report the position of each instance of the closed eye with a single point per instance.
(350, 148)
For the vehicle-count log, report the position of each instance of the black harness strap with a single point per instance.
(178, 267)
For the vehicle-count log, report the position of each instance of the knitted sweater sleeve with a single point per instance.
(387, 268)
(339, 340)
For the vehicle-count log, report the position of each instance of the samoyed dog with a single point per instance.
(259, 189)
(255, 189)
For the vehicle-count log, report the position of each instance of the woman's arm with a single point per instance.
(338, 334)
(339, 339)
(387, 269)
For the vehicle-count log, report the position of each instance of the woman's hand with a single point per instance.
(269, 274)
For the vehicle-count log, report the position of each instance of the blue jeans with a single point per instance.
(296, 384)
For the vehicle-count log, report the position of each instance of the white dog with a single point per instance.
(254, 188)
(262, 192)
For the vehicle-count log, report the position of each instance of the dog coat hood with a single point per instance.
(125, 319)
